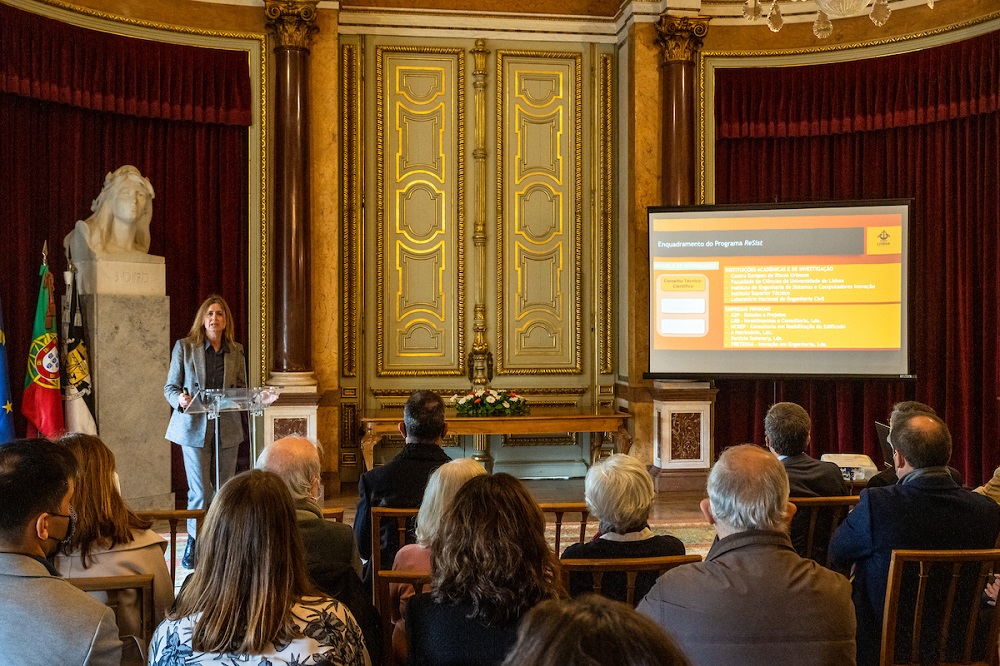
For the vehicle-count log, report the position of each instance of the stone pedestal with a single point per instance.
(129, 344)
(683, 452)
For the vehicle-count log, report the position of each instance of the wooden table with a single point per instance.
(541, 421)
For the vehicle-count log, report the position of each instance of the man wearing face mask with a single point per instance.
(44, 619)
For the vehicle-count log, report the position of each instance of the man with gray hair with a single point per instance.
(331, 555)
(328, 544)
(753, 600)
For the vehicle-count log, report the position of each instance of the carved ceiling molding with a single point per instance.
(680, 38)
(293, 22)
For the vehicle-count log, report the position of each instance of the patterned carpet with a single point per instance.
(697, 536)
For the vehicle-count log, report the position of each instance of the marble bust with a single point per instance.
(118, 230)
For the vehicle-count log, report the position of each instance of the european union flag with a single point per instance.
(6, 404)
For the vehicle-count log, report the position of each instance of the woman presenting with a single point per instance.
(208, 358)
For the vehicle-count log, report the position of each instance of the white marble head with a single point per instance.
(122, 212)
(119, 226)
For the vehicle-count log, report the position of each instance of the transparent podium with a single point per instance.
(212, 402)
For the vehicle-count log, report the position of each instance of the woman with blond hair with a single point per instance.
(619, 493)
(208, 358)
(250, 595)
(108, 538)
(490, 563)
(416, 557)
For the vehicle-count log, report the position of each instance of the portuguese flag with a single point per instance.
(42, 400)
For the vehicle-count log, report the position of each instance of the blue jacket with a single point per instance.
(928, 512)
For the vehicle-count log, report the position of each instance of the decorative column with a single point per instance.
(292, 22)
(480, 361)
(683, 411)
(679, 39)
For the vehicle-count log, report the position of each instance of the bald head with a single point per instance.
(748, 489)
(922, 439)
(296, 461)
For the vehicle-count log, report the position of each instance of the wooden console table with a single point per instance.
(541, 421)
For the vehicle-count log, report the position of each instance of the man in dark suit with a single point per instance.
(925, 510)
(786, 433)
(400, 482)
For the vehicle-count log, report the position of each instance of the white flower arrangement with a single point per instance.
(489, 402)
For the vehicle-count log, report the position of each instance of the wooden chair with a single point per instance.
(113, 586)
(334, 513)
(173, 519)
(933, 608)
(381, 582)
(630, 567)
(403, 520)
(560, 510)
(819, 517)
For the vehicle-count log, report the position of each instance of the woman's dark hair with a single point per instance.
(591, 631)
(491, 551)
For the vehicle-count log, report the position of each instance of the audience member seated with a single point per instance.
(591, 630)
(887, 477)
(925, 510)
(45, 620)
(332, 561)
(250, 595)
(109, 539)
(441, 489)
(786, 433)
(619, 493)
(490, 563)
(753, 600)
(400, 482)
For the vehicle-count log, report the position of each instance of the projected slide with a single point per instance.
(827, 280)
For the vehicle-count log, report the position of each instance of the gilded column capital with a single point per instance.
(680, 37)
(293, 22)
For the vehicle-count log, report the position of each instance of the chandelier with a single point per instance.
(826, 9)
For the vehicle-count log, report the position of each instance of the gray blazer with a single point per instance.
(187, 370)
(48, 621)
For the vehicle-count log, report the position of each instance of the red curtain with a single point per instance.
(923, 126)
(54, 156)
(48, 60)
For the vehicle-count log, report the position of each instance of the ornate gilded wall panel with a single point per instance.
(420, 227)
(539, 212)
(605, 151)
(351, 138)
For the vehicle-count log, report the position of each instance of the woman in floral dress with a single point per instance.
(250, 602)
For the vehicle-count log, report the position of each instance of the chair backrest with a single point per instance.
(113, 585)
(933, 608)
(818, 518)
(173, 519)
(630, 567)
(560, 510)
(381, 582)
(402, 521)
(334, 513)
